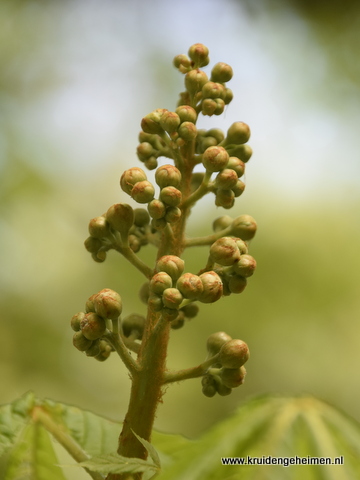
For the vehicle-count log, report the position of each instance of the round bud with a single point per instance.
(134, 243)
(98, 227)
(187, 131)
(80, 342)
(133, 324)
(233, 377)
(238, 133)
(237, 165)
(194, 81)
(213, 287)
(105, 351)
(228, 96)
(220, 106)
(144, 292)
(181, 60)
(239, 188)
(224, 251)
(160, 282)
(245, 266)
(243, 152)
(199, 54)
(144, 150)
(216, 133)
(216, 341)
(179, 321)
(237, 284)
(169, 314)
(221, 72)
(167, 175)
(155, 303)
(151, 122)
(141, 217)
(92, 326)
(242, 246)
(226, 179)
(151, 163)
(158, 223)
(213, 90)
(172, 298)
(234, 353)
(92, 244)
(172, 265)
(170, 121)
(208, 107)
(224, 198)
(89, 305)
(157, 209)
(130, 177)
(173, 214)
(143, 192)
(171, 196)
(108, 304)
(244, 227)
(209, 390)
(190, 286)
(186, 114)
(215, 158)
(120, 217)
(221, 223)
(190, 310)
(75, 321)
(222, 389)
(94, 349)
(99, 256)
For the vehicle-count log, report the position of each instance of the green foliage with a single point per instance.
(265, 426)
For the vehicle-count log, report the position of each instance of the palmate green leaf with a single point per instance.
(150, 449)
(114, 463)
(274, 426)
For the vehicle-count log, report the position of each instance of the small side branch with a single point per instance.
(116, 341)
(194, 372)
(209, 239)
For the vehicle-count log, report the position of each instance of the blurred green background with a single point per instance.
(75, 79)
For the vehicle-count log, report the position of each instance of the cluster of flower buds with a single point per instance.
(91, 326)
(228, 370)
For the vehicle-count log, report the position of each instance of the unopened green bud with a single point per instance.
(245, 266)
(141, 217)
(130, 178)
(224, 251)
(215, 158)
(221, 223)
(108, 304)
(239, 188)
(92, 326)
(151, 122)
(98, 227)
(213, 287)
(190, 285)
(242, 246)
(134, 243)
(213, 90)
(182, 62)
(160, 282)
(237, 284)
(194, 81)
(80, 342)
(237, 165)
(233, 377)
(151, 163)
(157, 209)
(167, 175)
(190, 310)
(244, 227)
(170, 121)
(226, 179)
(155, 303)
(105, 351)
(172, 265)
(208, 386)
(75, 321)
(144, 292)
(133, 324)
(199, 54)
(120, 217)
(179, 321)
(228, 96)
(94, 349)
(234, 353)
(222, 389)
(224, 198)
(173, 214)
(143, 192)
(216, 341)
(208, 107)
(169, 314)
(220, 106)
(92, 244)
(172, 298)
(171, 196)
(187, 131)
(144, 150)
(243, 152)
(216, 133)
(186, 113)
(89, 305)
(221, 72)
(158, 223)
(238, 133)
(99, 257)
